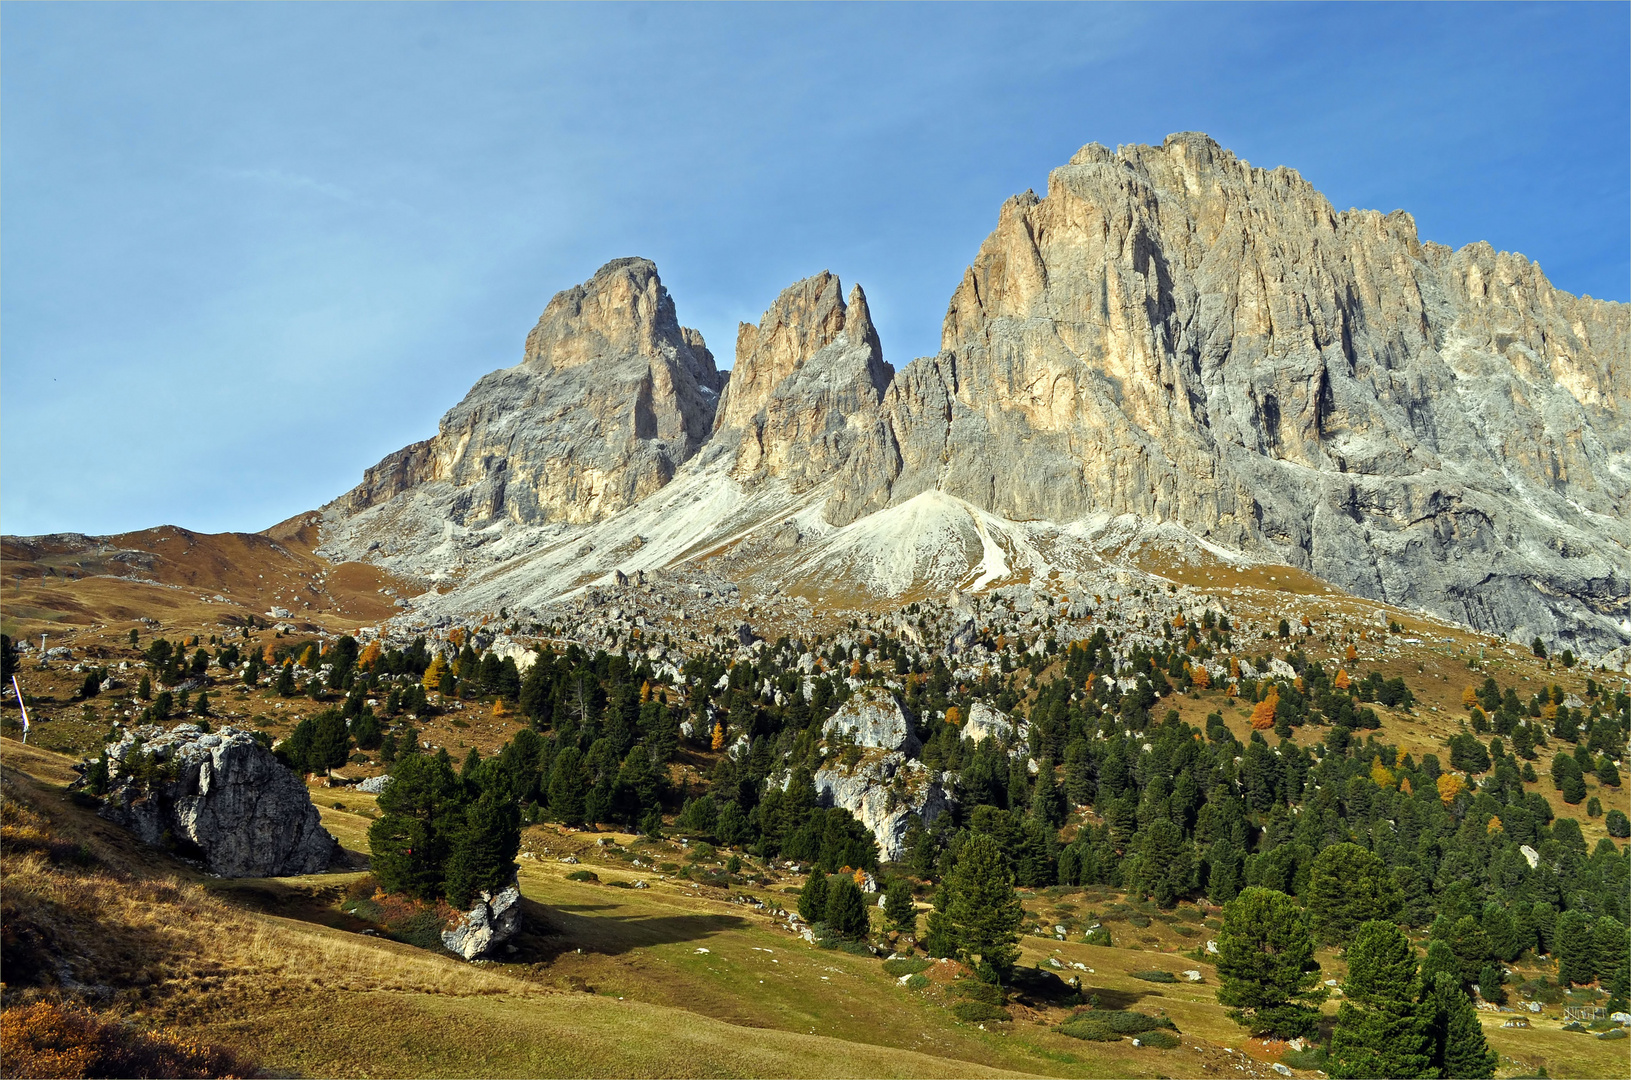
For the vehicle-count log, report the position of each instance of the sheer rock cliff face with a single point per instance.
(1174, 334)
(1170, 334)
(811, 365)
(611, 396)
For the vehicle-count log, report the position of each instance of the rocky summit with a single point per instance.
(1168, 339)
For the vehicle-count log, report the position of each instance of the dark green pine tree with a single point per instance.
(984, 911)
(1347, 886)
(1576, 951)
(285, 680)
(899, 907)
(331, 741)
(420, 811)
(1267, 973)
(846, 910)
(1380, 1032)
(483, 854)
(567, 784)
(1456, 1038)
(813, 897)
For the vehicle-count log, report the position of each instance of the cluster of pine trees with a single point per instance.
(1184, 814)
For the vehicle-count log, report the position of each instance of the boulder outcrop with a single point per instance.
(873, 718)
(493, 919)
(985, 722)
(885, 793)
(220, 796)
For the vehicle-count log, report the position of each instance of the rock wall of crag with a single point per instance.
(1174, 334)
(1169, 334)
(611, 396)
(811, 365)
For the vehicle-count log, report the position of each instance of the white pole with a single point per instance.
(21, 706)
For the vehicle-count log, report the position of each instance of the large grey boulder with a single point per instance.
(492, 921)
(885, 793)
(221, 796)
(986, 722)
(873, 718)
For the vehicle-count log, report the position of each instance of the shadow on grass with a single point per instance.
(550, 930)
(1104, 998)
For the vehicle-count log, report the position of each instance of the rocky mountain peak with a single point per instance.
(812, 362)
(611, 396)
(1169, 336)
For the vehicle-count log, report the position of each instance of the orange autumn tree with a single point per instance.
(1469, 698)
(954, 715)
(1342, 682)
(1352, 653)
(1200, 678)
(1449, 786)
(1263, 712)
(370, 655)
(718, 742)
(433, 674)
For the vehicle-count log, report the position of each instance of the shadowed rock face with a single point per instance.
(611, 396)
(1169, 333)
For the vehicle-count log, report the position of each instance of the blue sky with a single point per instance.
(247, 250)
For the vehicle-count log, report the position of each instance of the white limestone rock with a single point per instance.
(873, 718)
(885, 793)
(493, 919)
(986, 722)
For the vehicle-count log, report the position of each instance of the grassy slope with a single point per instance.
(639, 999)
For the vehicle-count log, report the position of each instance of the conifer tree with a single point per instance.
(567, 781)
(1266, 968)
(1347, 886)
(1379, 1031)
(432, 681)
(813, 897)
(984, 911)
(420, 811)
(846, 911)
(482, 858)
(899, 907)
(1456, 1038)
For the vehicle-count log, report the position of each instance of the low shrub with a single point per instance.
(917, 982)
(1140, 921)
(906, 965)
(1155, 976)
(1121, 1022)
(1099, 936)
(1617, 1033)
(1310, 1060)
(45, 1039)
(1089, 1030)
(1161, 1040)
(975, 990)
(583, 875)
(978, 1012)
